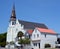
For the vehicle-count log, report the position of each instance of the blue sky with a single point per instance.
(40, 11)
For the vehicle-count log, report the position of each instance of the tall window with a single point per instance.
(35, 44)
(45, 35)
(34, 35)
(37, 35)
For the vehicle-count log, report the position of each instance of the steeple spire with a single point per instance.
(13, 15)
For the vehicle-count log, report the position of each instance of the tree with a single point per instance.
(3, 39)
(24, 41)
(20, 34)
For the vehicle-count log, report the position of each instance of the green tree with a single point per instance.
(20, 34)
(3, 39)
(24, 41)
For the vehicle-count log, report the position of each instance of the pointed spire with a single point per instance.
(13, 15)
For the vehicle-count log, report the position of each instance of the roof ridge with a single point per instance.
(32, 25)
(30, 21)
(43, 30)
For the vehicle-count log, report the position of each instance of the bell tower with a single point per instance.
(11, 34)
(13, 16)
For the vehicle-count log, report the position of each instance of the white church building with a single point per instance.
(38, 33)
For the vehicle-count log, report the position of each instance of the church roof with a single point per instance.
(48, 31)
(32, 25)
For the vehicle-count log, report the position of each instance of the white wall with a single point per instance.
(35, 39)
(13, 30)
(49, 39)
(34, 35)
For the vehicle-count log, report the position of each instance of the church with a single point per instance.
(38, 33)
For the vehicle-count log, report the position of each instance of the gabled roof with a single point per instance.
(32, 25)
(48, 31)
(30, 31)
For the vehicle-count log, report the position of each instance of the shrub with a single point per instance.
(11, 42)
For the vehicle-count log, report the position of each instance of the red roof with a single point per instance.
(46, 31)
(30, 31)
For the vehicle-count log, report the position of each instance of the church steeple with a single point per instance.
(13, 15)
